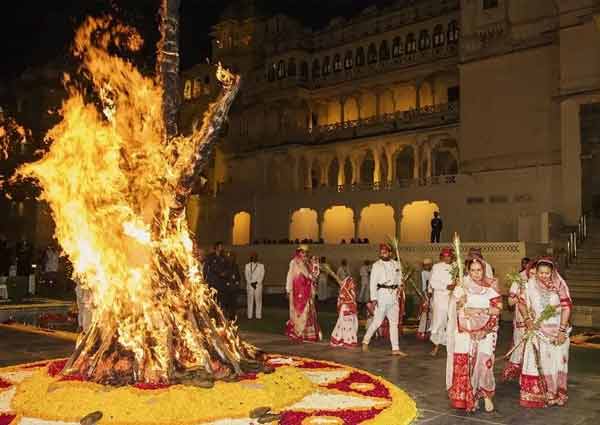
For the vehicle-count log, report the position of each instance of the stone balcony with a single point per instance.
(427, 116)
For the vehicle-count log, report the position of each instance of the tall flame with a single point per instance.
(117, 194)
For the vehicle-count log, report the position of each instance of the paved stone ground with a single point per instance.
(419, 374)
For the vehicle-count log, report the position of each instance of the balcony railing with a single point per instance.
(425, 116)
(388, 186)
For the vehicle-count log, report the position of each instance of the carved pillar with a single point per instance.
(390, 166)
(308, 182)
(320, 223)
(355, 170)
(323, 177)
(341, 178)
(398, 218)
(418, 95)
(416, 162)
(377, 168)
(377, 103)
(356, 218)
(342, 113)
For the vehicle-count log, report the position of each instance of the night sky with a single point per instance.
(35, 32)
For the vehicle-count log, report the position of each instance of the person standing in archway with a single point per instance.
(436, 227)
(386, 284)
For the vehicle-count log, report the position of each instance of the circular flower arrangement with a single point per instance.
(299, 392)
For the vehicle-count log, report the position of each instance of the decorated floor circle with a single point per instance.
(300, 392)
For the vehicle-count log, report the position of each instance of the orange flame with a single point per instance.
(111, 183)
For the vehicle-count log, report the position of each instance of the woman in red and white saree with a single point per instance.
(512, 369)
(546, 311)
(300, 286)
(473, 330)
(345, 332)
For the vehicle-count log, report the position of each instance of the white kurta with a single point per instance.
(385, 273)
(440, 279)
(254, 273)
(425, 313)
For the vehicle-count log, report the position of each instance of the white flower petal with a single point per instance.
(35, 421)
(326, 377)
(335, 401)
(6, 397)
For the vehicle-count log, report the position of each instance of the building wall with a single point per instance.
(508, 115)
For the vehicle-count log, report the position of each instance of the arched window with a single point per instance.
(187, 90)
(411, 44)
(326, 66)
(337, 63)
(397, 47)
(372, 54)
(281, 69)
(316, 69)
(424, 40)
(438, 36)
(384, 51)
(453, 32)
(348, 60)
(303, 70)
(360, 56)
(292, 67)
(271, 72)
(198, 89)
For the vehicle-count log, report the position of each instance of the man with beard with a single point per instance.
(385, 286)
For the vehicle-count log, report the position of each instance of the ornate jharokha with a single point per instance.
(117, 179)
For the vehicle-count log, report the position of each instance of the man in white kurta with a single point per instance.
(254, 272)
(385, 284)
(440, 280)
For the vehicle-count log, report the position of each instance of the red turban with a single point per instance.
(446, 252)
(385, 246)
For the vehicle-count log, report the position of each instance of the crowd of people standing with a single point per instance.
(460, 312)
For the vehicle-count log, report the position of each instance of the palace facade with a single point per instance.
(485, 110)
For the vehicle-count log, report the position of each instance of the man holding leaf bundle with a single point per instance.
(385, 286)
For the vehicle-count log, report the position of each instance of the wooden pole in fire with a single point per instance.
(167, 63)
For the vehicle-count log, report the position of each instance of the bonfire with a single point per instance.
(117, 178)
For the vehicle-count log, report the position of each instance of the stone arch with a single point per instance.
(405, 163)
(348, 172)
(240, 234)
(384, 172)
(334, 115)
(303, 224)
(338, 224)
(444, 157)
(367, 168)
(416, 221)
(333, 172)
(406, 97)
(377, 223)
(425, 94)
(351, 109)
(368, 105)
